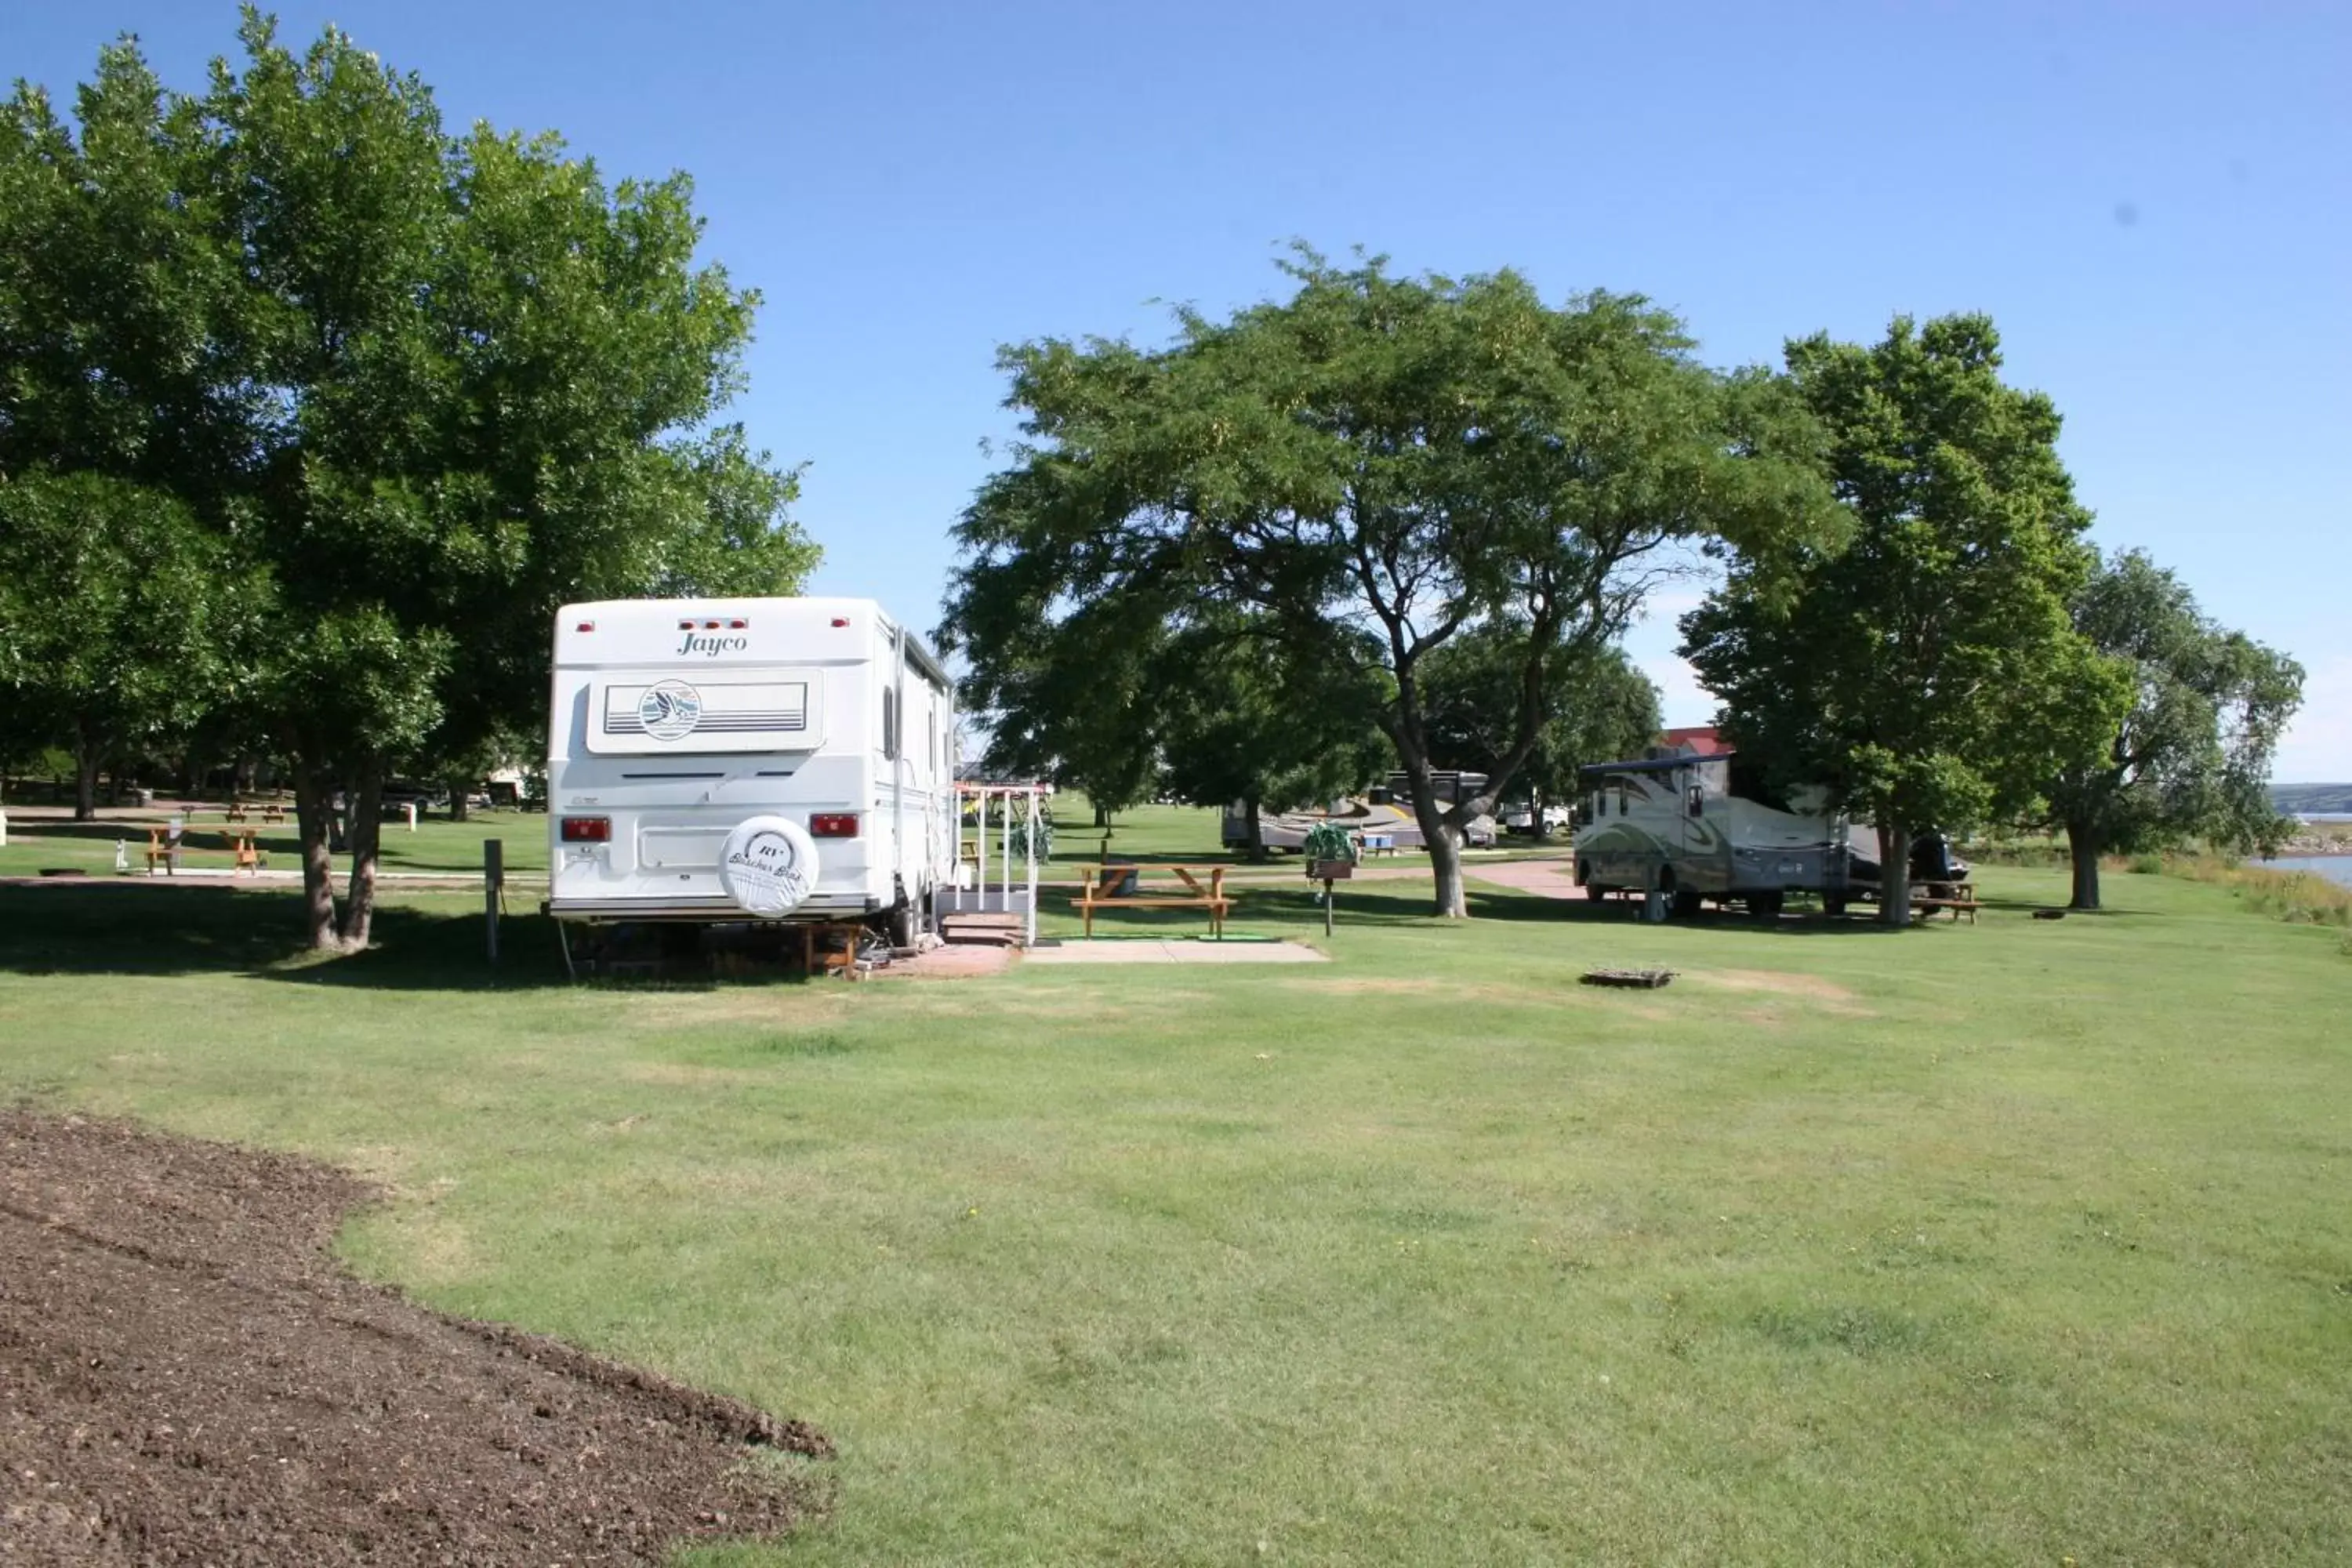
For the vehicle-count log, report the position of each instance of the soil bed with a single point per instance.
(187, 1377)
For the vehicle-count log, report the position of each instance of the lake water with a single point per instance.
(2335, 868)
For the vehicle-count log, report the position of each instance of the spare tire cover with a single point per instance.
(767, 866)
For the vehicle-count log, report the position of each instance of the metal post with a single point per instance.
(1032, 868)
(494, 881)
(1327, 905)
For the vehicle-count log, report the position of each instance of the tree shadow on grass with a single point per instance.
(1387, 903)
(138, 929)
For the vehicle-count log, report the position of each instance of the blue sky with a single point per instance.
(2151, 200)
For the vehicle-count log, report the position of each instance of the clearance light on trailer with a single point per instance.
(587, 829)
(739, 624)
(834, 824)
(686, 625)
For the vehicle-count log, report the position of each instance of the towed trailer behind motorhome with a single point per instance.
(713, 761)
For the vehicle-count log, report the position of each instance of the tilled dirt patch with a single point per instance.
(186, 1377)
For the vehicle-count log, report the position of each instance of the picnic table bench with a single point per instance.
(242, 810)
(163, 846)
(1095, 885)
(1960, 897)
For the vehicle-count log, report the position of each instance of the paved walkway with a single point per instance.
(1180, 950)
(1550, 879)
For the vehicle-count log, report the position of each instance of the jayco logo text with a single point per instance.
(711, 648)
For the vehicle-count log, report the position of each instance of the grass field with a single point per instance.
(2016, 1243)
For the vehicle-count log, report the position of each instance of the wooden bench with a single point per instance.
(1095, 883)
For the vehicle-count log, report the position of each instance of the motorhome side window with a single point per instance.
(1620, 797)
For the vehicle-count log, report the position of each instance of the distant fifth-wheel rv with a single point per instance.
(1697, 827)
(716, 761)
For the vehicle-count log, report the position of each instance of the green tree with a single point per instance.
(1070, 699)
(1377, 464)
(2191, 756)
(1601, 707)
(1243, 722)
(108, 640)
(425, 388)
(1925, 671)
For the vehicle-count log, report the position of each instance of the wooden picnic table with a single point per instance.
(1960, 897)
(163, 846)
(1095, 883)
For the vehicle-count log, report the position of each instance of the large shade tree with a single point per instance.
(1376, 465)
(424, 387)
(1926, 671)
(2192, 754)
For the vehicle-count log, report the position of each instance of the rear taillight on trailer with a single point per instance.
(586, 626)
(586, 829)
(834, 824)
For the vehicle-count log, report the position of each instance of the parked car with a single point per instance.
(399, 795)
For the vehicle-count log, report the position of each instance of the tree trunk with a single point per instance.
(1443, 838)
(457, 790)
(1102, 818)
(2083, 848)
(312, 805)
(1894, 874)
(1256, 846)
(88, 756)
(366, 832)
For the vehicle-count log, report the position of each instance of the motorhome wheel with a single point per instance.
(767, 866)
(1687, 902)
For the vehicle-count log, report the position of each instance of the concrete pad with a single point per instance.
(1133, 950)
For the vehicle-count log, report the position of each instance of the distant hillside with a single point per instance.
(2308, 797)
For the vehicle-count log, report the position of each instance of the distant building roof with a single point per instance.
(1698, 738)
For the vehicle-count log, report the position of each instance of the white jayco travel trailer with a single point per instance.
(725, 759)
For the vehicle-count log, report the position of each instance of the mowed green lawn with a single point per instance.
(2012, 1243)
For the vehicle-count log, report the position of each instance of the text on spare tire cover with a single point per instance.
(766, 874)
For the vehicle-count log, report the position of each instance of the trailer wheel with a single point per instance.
(902, 924)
